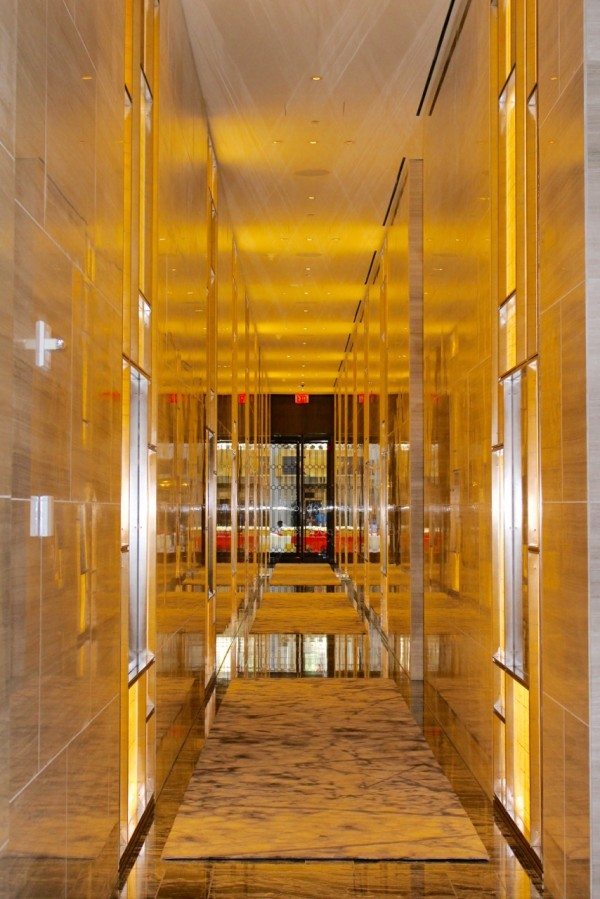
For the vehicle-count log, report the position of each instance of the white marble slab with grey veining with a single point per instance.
(319, 769)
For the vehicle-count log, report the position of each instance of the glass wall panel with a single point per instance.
(224, 479)
(314, 497)
(515, 618)
(138, 521)
(284, 503)
(508, 187)
(508, 334)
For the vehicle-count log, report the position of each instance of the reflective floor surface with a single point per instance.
(324, 655)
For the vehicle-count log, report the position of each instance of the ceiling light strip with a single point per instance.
(436, 55)
(450, 53)
(373, 257)
(394, 189)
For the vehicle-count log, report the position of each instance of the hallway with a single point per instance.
(299, 414)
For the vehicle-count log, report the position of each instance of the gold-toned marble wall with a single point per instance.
(562, 330)
(61, 180)
(458, 391)
(592, 163)
(180, 381)
(402, 389)
(193, 636)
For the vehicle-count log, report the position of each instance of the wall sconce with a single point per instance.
(41, 516)
(43, 345)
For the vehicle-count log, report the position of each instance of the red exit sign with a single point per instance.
(301, 399)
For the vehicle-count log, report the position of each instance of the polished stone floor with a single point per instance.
(307, 613)
(285, 655)
(319, 769)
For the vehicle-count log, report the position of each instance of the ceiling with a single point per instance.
(312, 106)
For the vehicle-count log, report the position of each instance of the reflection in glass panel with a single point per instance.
(373, 508)
(138, 520)
(514, 605)
(211, 511)
(314, 655)
(283, 519)
(242, 479)
(314, 497)
(508, 185)
(532, 224)
(517, 754)
(224, 476)
(145, 174)
(508, 334)
(507, 38)
(144, 334)
(498, 550)
(533, 457)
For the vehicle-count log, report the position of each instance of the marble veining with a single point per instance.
(319, 769)
(306, 613)
(303, 576)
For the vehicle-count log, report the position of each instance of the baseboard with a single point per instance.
(135, 843)
(522, 849)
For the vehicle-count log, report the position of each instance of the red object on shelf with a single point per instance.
(316, 543)
(242, 399)
(301, 399)
(223, 541)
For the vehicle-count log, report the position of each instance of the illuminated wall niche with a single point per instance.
(139, 464)
(515, 453)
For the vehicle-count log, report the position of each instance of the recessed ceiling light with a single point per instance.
(317, 77)
(307, 269)
(277, 141)
(309, 238)
(311, 197)
(313, 142)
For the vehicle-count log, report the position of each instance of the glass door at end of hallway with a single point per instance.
(299, 500)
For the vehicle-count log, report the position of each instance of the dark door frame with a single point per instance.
(300, 440)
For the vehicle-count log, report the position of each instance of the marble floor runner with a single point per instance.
(307, 613)
(319, 769)
(283, 578)
(186, 610)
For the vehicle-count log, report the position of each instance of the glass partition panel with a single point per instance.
(284, 499)
(138, 521)
(314, 498)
